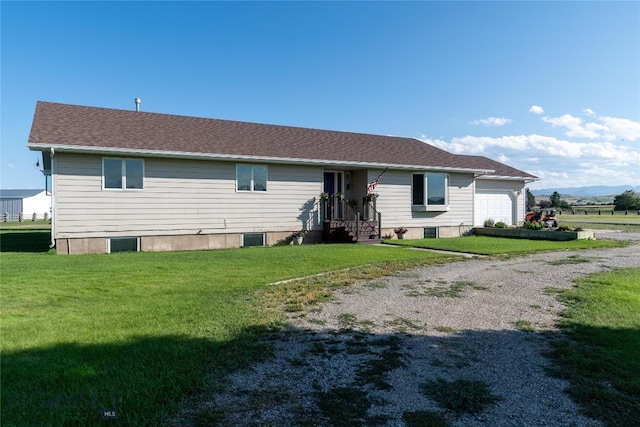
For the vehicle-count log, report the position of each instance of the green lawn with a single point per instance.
(602, 360)
(137, 332)
(484, 245)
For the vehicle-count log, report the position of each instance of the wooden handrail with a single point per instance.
(339, 211)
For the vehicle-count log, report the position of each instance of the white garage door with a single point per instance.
(495, 205)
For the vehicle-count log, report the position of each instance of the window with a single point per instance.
(123, 174)
(124, 244)
(418, 189)
(253, 239)
(436, 188)
(133, 174)
(251, 178)
(430, 232)
(429, 191)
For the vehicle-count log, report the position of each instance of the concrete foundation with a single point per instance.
(443, 232)
(193, 242)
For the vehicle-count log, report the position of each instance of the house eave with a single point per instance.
(244, 158)
(526, 179)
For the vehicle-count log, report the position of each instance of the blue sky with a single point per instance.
(552, 88)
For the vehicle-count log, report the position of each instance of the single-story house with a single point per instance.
(130, 180)
(25, 202)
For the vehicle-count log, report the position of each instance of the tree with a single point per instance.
(531, 200)
(555, 199)
(544, 204)
(628, 200)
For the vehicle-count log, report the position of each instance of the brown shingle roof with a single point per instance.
(79, 127)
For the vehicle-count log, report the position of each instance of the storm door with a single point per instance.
(334, 187)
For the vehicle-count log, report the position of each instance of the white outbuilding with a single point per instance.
(27, 202)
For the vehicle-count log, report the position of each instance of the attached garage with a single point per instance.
(497, 205)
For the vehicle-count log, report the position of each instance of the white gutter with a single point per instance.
(245, 158)
(508, 178)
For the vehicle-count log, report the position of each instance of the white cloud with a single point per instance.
(598, 175)
(609, 152)
(609, 128)
(591, 152)
(622, 128)
(588, 112)
(536, 109)
(435, 142)
(581, 177)
(544, 174)
(492, 121)
(577, 129)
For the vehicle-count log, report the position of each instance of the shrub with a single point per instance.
(532, 225)
(565, 228)
(489, 222)
(629, 200)
(500, 224)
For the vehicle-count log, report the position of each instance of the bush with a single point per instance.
(501, 224)
(489, 222)
(532, 225)
(629, 200)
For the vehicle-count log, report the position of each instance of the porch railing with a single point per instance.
(342, 214)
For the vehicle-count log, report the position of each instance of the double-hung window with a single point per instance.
(122, 174)
(430, 191)
(251, 177)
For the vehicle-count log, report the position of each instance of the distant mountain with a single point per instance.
(594, 190)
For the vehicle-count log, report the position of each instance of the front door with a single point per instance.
(334, 185)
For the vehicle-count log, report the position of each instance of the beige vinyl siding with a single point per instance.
(395, 201)
(182, 197)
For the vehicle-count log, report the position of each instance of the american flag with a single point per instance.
(372, 186)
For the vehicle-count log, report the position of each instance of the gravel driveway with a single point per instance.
(364, 357)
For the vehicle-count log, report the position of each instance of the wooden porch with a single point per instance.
(345, 223)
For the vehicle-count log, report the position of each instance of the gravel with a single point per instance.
(479, 319)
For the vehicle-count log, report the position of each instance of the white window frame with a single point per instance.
(252, 181)
(123, 171)
(425, 206)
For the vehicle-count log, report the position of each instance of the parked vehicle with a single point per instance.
(548, 219)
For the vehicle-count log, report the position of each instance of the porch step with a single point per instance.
(345, 231)
(370, 237)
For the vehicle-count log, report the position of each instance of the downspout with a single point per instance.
(53, 201)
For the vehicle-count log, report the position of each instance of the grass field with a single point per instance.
(135, 333)
(632, 218)
(602, 360)
(484, 245)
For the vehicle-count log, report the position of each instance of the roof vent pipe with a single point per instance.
(137, 101)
